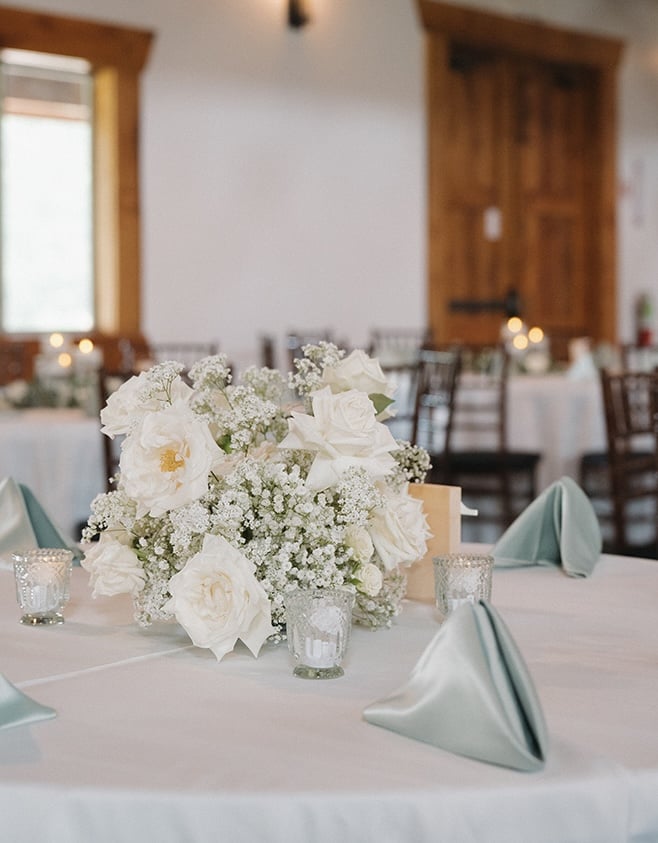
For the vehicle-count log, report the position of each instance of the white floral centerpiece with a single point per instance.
(230, 495)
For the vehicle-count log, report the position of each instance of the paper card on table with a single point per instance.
(470, 693)
(442, 505)
(559, 527)
(17, 709)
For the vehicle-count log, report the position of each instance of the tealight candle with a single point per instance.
(42, 584)
(319, 653)
(461, 578)
(318, 624)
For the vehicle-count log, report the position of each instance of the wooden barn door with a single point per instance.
(521, 188)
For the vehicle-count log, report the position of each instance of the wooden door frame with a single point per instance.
(444, 23)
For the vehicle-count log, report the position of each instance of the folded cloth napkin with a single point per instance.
(23, 522)
(17, 709)
(470, 693)
(559, 527)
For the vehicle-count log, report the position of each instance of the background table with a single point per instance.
(559, 416)
(155, 740)
(57, 453)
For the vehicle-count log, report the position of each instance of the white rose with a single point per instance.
(217, 599)
(359, 371)
(113, 567)
(370, 579)
(343, 432)
(125, 408)
(399, 530)
(166, 461)
(358, 538)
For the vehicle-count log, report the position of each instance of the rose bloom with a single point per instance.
(166, 461)
(359, 371)
(370, 579)
(358, 538)
(113, 567)
(217, 599)
(124, 408)
(399, 530)
(343, 432)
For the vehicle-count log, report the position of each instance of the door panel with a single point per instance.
(514, 148)
(550, 147)
(474, 122)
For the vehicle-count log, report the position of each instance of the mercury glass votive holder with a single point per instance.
(461, 578)
(43, 578)
(318, 626)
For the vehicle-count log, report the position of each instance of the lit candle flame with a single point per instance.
(56, 340)
(85, 346)
(64, 359)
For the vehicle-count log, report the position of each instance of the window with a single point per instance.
(46, 194)
(105, 88)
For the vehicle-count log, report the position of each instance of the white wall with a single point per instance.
(283, 172)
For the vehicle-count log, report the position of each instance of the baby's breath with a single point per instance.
(257, 498)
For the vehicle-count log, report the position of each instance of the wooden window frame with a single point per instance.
(116, 55)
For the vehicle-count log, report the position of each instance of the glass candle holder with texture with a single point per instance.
(43, 579)
(461, 578)
(318, 625)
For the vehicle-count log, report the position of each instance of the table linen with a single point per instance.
(555, 415)
(58, 455)
(470, 692)
(154, 739)
(18, 709)
(559, 527)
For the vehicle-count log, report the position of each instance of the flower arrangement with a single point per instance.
(230, 495)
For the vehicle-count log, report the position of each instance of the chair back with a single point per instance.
(480, 411)
(436, 380)
(630, 400)
(16, 361)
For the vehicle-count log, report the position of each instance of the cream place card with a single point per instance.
(443, 509)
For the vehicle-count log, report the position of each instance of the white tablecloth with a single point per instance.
(560, 417)
(59, 455)
(155, 740)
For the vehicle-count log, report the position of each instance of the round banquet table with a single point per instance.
(155, 740)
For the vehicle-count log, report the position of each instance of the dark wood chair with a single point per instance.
(16, 360)
(623, 481)
(436, 380)
(494, 477)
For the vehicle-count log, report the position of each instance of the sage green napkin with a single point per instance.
(559, 527)
(17, 709)
(470, 693)
(23, 522)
